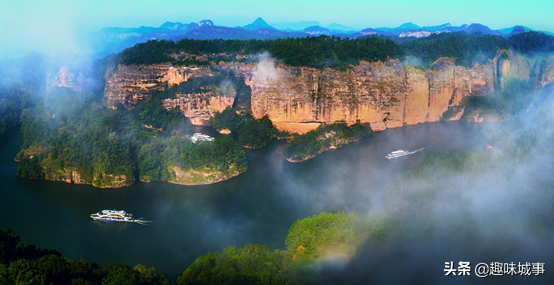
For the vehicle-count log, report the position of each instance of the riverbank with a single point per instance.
(211, 217)
(203, 176)
(331, 147)
(325, 137)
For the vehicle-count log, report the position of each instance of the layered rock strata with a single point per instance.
(387, 95)
(296, 99)
(200, 107)
(130, 85)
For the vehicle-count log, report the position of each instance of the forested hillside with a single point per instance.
(67, 131)
(325, 51)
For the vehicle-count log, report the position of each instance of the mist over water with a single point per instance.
(256, 207)
(259, 206)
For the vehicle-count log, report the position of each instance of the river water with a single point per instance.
(256, 207)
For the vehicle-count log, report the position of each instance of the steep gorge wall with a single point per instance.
(298, 99)
(200, 107)
(387, 95)
(130, 85)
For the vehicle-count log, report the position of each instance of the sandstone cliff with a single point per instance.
(100, 180)
(130, 85)
(387, 95)
(69, 175)
(200, 107)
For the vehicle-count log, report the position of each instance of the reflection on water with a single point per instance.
(257, 207)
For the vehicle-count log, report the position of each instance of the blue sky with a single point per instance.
(53, 24)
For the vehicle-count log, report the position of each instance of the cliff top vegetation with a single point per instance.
(336, 52)
(322, 51)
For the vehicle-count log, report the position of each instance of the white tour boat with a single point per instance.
(113, 216)
(400, 153)
(198, 137)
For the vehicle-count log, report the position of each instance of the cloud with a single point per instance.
(265, 72)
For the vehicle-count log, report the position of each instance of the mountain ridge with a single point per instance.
(115, 39)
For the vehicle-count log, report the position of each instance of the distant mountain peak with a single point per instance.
(206, 23)
(339, 27)
(316, 30)
(259, 23)
(409, 26)
(517, 30)
(173, 26)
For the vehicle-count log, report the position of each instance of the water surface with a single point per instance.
(256, 207)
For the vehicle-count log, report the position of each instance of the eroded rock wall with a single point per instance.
(130, 85)
(387, 95)
(101, 180)
(200, 107)
(298, 99)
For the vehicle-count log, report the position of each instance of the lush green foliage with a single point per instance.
(25, 264)
(316, 238)
(532, 42)
(467, 49)
(336, 52)
(310, 240)
(13, 100)
(253, 264)
(322, 51)
(324, 137)
(516, 96)
(257, 132)
(72, 132)
(337, 235)
(333, 52)
(254, 133)
(229, 119)
(153, 113)
(68, 131)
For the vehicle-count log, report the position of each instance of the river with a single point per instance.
(256, 207)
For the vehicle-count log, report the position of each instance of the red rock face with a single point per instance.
(298, 99)
(130, 85)
(200, 107)
(386, 95)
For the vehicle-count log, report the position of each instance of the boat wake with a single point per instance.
(142, 222)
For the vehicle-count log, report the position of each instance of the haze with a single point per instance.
(52, 26)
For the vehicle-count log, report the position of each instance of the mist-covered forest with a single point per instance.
(454, 197)
(475, 199)
(95, 140)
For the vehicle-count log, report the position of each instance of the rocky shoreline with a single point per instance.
(340, 144)
(202, 176)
